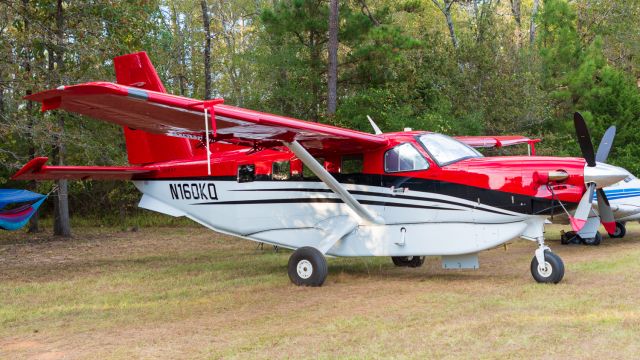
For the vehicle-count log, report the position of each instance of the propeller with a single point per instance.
(584, 139)
(600, 172)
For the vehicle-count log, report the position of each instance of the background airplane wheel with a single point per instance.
(594, 241)
(553, 271)
(570, 237)
(307, 267)
(620, 232)
(410, 261)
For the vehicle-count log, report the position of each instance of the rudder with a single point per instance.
(142, 147)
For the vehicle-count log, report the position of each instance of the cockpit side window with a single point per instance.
(404, 157)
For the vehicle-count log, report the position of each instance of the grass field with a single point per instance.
(186, 292)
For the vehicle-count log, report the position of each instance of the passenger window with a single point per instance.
(352, 164)
(246, 173)
(404, 157)
(281, 170)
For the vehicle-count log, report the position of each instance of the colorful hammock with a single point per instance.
(15, 218)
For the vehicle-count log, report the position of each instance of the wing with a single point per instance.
(172, 115)
(495, 141)
(37, 170)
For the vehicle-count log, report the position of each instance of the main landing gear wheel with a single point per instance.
(307, 267)
(552, 271)
(410, 261)
(594, 241)
(570, 237)
(620, 232)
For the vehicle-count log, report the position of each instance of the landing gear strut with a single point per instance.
(620, 232)
(546, 267)
(410, 261)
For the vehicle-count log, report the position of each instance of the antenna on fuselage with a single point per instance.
(376, 129)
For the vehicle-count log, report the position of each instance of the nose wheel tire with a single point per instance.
(551, 272)
(307, 267)
(620, 232)
(409, 261)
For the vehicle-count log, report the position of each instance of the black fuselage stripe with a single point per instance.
(505, 201)
(370, 193)
(320, 200)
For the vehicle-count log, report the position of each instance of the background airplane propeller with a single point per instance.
(595, 161)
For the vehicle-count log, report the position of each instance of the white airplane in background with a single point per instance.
(624, 196)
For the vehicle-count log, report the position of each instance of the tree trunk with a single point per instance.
(452, 30)
(515, 11)
(62, 225)
(207, 48)
(316, 70)
(26, 65)
(532, 28)
(332, 75)
(33, 185)
(180, 48)
(445, 8)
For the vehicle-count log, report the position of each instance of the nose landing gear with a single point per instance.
(546, 267)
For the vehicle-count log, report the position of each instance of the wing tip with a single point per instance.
(33, 166)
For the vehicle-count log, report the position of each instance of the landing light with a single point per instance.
(558, 175)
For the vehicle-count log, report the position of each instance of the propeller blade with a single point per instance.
(584, 139)
(579, 219)
(606, 213)
(605, 144)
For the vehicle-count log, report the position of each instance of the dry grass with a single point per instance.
(190, 293)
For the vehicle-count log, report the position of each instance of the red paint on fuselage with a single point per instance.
(511, 174)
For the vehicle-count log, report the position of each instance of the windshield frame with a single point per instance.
(435, 160)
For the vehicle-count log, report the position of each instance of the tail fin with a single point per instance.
(142, 147)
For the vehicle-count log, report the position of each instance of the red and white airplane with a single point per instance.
(324, 190)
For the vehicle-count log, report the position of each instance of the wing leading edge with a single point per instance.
(172, 115)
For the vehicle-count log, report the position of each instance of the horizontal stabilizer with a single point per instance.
(37, 170)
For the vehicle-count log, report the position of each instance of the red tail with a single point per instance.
(142, 147)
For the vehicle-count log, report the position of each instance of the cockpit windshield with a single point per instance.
(445, 150)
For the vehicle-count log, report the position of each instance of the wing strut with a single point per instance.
(206, 131)
(332, 183)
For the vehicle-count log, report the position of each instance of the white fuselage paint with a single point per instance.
(624, 198)
(293, 214)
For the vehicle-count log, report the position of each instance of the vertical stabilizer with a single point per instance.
(143, 148)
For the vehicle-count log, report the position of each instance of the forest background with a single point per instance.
(458, 67)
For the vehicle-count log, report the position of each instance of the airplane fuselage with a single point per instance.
(269, 196)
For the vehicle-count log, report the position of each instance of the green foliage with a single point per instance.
(396, 64)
